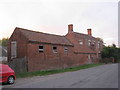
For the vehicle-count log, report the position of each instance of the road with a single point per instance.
(104, 76)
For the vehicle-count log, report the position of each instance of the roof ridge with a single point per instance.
(39, 32)
(44, 37)
(85, 34)
(80, 33)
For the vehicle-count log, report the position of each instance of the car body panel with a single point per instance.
(5, 72)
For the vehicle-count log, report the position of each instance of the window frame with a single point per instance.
(13, 47)
(94, 42)
(41, 50)
(89, 42)
(80, 42)
(54, 50)
(98, 44)
(65, 49)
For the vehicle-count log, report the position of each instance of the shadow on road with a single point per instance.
(5, 84)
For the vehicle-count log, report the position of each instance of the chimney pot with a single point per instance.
(70, 28)
(89, 31)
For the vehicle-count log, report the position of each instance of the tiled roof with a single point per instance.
(84, 35)
(36, 36)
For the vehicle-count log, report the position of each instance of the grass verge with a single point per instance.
(48, 72)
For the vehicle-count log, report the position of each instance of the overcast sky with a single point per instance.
(53, 16)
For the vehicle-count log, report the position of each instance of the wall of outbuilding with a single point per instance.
(21, 45)
(48, 59)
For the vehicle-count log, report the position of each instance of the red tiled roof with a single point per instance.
(84, 35)
(36, 36)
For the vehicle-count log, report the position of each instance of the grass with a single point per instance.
(48, 72)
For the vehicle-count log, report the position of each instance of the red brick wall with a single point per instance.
(21, 45)
(83, 58)
(47, 59)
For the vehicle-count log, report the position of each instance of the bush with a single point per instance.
(110, 54)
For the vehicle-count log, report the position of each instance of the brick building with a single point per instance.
(44, 51)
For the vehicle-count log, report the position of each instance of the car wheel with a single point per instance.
(10, 80)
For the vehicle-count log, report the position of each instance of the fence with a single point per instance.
(19, 65)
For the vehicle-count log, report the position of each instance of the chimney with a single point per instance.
(89, 32)
(70, 28)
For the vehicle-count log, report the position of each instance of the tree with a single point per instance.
(100, 39)
(3, 42)
(111, 52)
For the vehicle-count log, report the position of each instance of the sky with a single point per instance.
(53, 16)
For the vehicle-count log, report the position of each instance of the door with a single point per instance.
(13, 49)
(89, 59)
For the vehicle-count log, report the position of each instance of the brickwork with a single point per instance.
(48, 59)
(78, 49)
(21, 45)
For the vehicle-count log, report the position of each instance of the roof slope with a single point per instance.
(84, 35)
(36, 36)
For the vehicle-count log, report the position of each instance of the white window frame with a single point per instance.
(41, 50)
(98, 44)
(54, 51)
(65, 49)
(89, 42)
(80, 42)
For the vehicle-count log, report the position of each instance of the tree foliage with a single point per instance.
(3, 42)
(111, 52)
(100, 39)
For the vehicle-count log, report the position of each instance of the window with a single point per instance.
(41, 48)
(13, 49)
(89, 57)
(92, 58)
(54, 49)
(80, 42)
(94, 43)
(65, 49)
(89, 42)
(98, 44)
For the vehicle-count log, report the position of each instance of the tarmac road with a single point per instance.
(104, 76)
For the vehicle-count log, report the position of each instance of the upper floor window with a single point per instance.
(89, 42)
(55, 49)
(80, 42)
(93, 42)
(41, 48)
(65, 49)
(98, 44)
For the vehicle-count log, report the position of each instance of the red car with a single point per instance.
(7, 74)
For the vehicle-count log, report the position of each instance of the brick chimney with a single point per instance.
(70, 28)
(89, 32)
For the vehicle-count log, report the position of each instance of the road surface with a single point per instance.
(104, 76)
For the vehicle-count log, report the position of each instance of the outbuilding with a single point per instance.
(42, 51)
